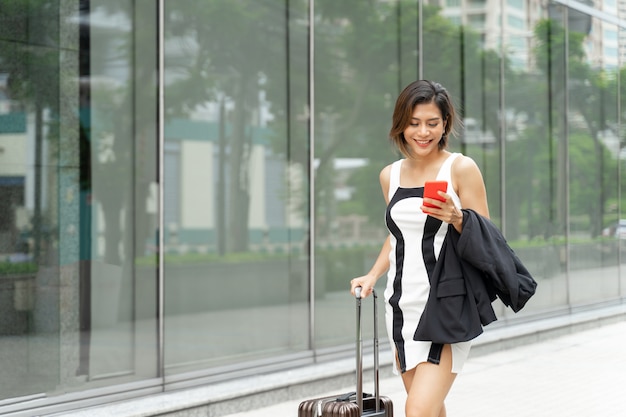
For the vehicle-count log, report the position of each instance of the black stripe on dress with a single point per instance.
(394, 300)
(431, 227)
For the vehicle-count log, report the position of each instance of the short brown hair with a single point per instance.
(420, 92)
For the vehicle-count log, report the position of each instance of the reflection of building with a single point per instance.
(5, 103)
(598, 21)
(192, 199)
(345, 230)
(516, 22)
(621, 37)
(16, 182)
(513, 23)
(192, 217)
(474, 133)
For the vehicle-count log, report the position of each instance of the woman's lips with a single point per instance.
(423, 143)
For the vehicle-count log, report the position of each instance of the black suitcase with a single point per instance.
(353, 404)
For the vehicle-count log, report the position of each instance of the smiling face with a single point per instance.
(422, 105)
(425, 129)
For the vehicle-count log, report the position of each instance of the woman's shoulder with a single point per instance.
(463, 164)
(387, 169)
(466, 171)
(385, 173)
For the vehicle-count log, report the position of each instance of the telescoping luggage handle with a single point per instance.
(359, 351)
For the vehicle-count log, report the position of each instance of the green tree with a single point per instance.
(33, 82)
(364, 56)
(589, 97)
(230, 52)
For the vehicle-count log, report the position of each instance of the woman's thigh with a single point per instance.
(427, 386)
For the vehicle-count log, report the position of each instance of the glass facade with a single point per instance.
(187, 187)
(235, 184)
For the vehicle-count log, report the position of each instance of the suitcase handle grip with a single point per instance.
(359, 351)
(350, 395)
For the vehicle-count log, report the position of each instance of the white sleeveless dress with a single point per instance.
(416, 241)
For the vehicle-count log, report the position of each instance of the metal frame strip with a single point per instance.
(160, 156)
(311, 175)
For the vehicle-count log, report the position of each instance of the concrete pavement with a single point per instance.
(582, 374)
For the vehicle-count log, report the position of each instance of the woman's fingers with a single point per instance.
(366, 289)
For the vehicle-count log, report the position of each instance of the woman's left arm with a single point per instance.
(470, 186)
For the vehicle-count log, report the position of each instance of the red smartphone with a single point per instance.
(431, 188)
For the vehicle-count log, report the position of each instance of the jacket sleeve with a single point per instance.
(482, 245)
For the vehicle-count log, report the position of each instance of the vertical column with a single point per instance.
(69, 196)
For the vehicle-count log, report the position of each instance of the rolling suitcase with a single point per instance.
(353, 404)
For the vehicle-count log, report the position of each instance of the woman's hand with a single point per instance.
(446, 210)
(366, 282)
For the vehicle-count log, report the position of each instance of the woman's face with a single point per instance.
(425, 129)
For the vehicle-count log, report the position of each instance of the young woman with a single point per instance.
(423, 119)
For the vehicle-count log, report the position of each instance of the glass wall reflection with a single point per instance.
(235, 186)
(358, 73)
(30, 142)
(78, 188)
(615, 232)
(118, 190)
(539, 87)
(593, 152)
(535, 150)
(530, 86)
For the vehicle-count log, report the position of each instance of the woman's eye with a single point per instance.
(433, 124)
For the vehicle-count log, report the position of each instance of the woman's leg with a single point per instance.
(427, 386)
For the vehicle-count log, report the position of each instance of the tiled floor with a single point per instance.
(577, 375)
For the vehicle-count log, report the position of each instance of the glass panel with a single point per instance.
(621, 202)
(119, 184)
(466, 60)
(359, 72)
(236, 266)
(535, 167)
(407, 57)
(77, 220)
(476, 90)
(593, 153)
(30, 177)
(441, 55)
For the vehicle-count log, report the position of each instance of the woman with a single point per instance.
(423, 118)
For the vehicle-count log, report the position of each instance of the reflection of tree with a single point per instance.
(33, 82)
(124, 156)
(229, 51)
(356, 43)
(584, 91)
(106, 121)
(355, 73)
(364, 56)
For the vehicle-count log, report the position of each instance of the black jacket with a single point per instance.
(473, 268)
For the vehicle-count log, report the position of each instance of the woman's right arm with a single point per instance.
(367, 281)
